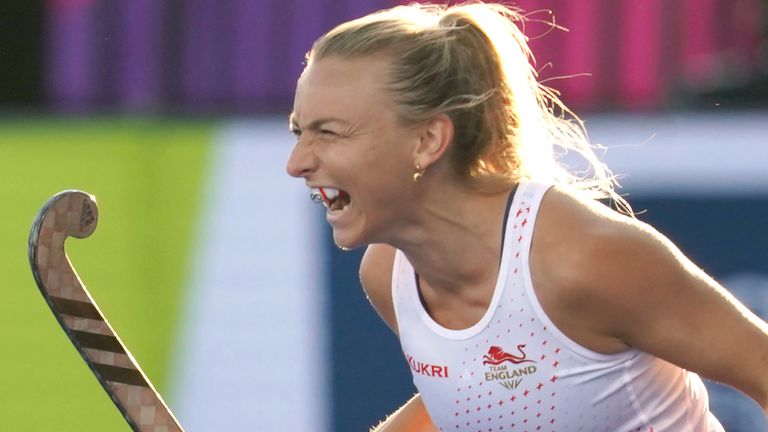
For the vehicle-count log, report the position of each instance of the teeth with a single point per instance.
(330, 193)
(325, 195)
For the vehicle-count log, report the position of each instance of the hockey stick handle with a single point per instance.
(74, 213)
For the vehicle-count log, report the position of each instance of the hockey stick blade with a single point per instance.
(74, 213)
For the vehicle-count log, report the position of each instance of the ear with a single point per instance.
(436, 137)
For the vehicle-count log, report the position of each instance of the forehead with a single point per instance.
(343, 88)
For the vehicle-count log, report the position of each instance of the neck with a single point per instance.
(454, 241)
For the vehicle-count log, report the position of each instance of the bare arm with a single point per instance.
(410, 417)
(633, 287)
(376, 278)
(684, 316)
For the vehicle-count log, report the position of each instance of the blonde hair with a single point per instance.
(472, 62)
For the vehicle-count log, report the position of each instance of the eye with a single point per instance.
(327, 132)
(295, 132)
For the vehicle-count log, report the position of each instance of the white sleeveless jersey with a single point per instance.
(515, 371)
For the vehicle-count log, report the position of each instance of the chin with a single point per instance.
(347, 242)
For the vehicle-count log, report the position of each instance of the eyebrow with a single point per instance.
(315, 124)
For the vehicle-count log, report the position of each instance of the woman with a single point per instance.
(521, 303)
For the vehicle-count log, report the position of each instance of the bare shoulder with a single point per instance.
(568, 223)
(612, 282)
(591, 264)
(376, 279)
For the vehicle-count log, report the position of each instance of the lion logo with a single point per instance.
(496, 356)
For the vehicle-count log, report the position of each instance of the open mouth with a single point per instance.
(333, 199)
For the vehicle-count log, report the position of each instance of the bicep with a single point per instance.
(662, 303)
(376, 279)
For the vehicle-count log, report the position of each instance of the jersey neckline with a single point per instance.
(501, 280)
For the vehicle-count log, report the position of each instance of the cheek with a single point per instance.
(379, 167)
(394, 154)
(389, 165)
(383, 189)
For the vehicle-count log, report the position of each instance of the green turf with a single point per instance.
(147, 176)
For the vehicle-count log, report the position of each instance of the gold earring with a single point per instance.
(418, 174)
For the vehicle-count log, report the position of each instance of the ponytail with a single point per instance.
(472, 62)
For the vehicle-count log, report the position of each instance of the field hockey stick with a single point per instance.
(74, 213)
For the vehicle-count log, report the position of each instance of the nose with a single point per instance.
(302, 161)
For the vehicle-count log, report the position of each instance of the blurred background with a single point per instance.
(215, 268)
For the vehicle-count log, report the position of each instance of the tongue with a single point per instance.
(341, 201)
